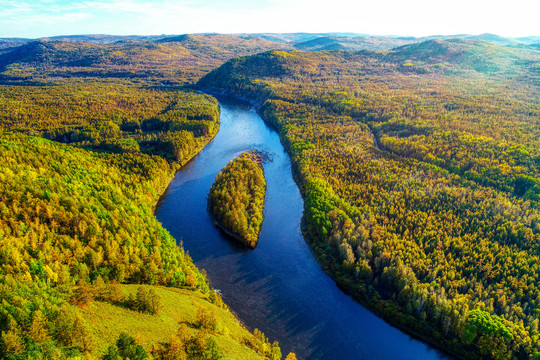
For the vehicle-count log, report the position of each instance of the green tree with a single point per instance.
(129, 349)
(276, 351)
(206, 319)
(212, 351)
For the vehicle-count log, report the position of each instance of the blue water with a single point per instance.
(278, 287)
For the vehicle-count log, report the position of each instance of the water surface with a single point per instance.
(278, 287)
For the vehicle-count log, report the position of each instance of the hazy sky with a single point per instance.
(38, 18)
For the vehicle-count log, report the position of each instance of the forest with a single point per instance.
(76, 225)
(419, 168)
(236, 198)
(172, 123)
(86, 270)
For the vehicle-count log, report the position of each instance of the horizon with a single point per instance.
(417, 18)
(331, 33)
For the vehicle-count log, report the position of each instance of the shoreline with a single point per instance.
(257, 105)
(178, 166)
(230, 233)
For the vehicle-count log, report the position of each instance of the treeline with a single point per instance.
(236, 198)
(438, 229)
(113, 117)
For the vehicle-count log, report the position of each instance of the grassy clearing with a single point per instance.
(179, 306)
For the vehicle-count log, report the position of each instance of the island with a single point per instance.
(236, 198)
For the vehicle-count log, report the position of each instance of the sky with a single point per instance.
(42, 18)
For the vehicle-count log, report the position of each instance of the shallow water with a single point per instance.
(278, 287)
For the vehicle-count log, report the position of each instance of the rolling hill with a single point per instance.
(175, 60)
(352, 43)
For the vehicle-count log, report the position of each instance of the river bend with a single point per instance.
(278, 287)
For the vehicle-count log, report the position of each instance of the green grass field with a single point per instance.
(107, 321)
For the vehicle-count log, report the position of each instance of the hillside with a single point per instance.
(476, 55)
(173, 60)
(352, 43)
(180, 309)
(75, 224)
(450, 57)
(420, 172)
(182, 59)
(123, 118)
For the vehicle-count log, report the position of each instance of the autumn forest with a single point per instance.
(418, 162)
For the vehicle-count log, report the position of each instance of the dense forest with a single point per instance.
(86, 269)
(420, 169)
(109, 116)
(420, 172)
(236, 198)
(76, 225)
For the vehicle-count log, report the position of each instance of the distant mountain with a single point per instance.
(302, 40)
(454, 56)
(353, 43)
(9, 43)
(101, 38)
(46, 54)
(436, 51)
(529, 39)
(464, 55)
(225, 42)
(492, 38)
(299, 37)
(179, 38)
(347, 39)
(175, 59)
(474, 51)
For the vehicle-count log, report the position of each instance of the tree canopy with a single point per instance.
(237, 197)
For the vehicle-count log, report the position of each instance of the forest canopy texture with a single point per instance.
(420, 169)
(90, 136)
(237, 198)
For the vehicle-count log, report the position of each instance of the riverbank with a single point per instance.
(370, 303)
(280, 288)
(230, 233)
(177, 166)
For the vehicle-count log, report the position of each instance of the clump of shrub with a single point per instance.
(126, 348)
(146, 300)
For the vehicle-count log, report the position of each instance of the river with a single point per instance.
(278, 287)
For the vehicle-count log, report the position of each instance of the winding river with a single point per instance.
(278, 287)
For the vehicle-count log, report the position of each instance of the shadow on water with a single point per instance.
(277, 287)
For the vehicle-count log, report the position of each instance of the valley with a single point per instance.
(278, 287)
(403, 188)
